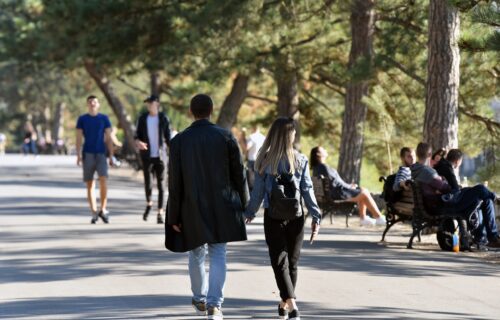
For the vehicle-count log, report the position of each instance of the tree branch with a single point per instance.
(491, 125)
(252, 96)
(405, 70)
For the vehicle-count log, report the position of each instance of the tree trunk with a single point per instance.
(118, 108)
(443, 76)
(232, 104)
(361, 54)
(155, 83)
(288, 94)
(58, 124)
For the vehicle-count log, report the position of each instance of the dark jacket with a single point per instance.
(141, 132)
(207, 188)
(339, 189)
(431, 184)
(445, 169)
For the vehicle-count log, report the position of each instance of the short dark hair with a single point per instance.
(403, 151)
(91, 97)
(423, 150)
(201, 106)
(454, 155)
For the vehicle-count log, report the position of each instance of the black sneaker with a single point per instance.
(146, 213)
(294, 315)
(495, 243)
(94, 218)
(283, 313)
(104, 216)
(199, 307)
(159, 219)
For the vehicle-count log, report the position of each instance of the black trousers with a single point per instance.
(284, 241)
(157, 167)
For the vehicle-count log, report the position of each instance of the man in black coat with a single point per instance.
(152, 133)
(207, 196)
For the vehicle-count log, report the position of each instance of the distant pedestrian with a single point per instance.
(280, 171)
(151, 137)
(95, 129)
(253, 144)
(207, 195)
(29, 142)
(3, 142)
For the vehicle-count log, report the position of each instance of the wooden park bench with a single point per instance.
(410, 207)
(327, 204)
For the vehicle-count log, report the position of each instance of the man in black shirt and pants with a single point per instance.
(152, 133)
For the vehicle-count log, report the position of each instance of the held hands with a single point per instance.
(141, 145)
(249, 220)
(314, 232)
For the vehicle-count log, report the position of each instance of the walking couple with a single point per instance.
(207, 205)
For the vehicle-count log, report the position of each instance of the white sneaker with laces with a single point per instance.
(380, 221)
(367, 222)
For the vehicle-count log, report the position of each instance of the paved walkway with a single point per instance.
(55, 265)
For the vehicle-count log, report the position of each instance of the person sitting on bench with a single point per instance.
(446, 168)
(340, 190)
(462, 198)
(407, 156)
(432, 185)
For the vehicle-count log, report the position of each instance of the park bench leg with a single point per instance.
(416, 232)
(390, 223)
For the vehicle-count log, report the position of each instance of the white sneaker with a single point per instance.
(367, 221)
(380, 221)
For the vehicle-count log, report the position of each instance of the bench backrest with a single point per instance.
(321, 189)
(406, 203)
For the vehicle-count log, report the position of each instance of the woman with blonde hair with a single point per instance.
(279, 165)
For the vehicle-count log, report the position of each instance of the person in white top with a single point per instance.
(152, 134)
(253, 145)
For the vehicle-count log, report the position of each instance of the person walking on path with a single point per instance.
(95, 129)
(151, 136)
(207, 195)
(276, 160)
(30, 137)
(3, 142)
(253, 145)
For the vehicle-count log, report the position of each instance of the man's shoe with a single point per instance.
(199, 307)
(159, 219)
(294, 315)
(214, 313)
(495, 243)
(282, 312)
(104, 216)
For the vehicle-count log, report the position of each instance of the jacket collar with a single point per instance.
(201, 122)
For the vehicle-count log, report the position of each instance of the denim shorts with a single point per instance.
(93, 162)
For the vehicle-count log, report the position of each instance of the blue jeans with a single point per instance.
(211, 291)
(488, 229)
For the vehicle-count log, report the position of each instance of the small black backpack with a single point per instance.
(388, 194)
(285, 201)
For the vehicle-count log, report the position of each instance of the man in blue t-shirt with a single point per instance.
(95, 128)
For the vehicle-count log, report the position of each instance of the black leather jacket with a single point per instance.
(207, 188)
(141, 132)
(445, 169)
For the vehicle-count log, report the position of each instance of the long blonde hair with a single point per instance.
(278, 146)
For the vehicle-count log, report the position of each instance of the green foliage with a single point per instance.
(198, 46)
